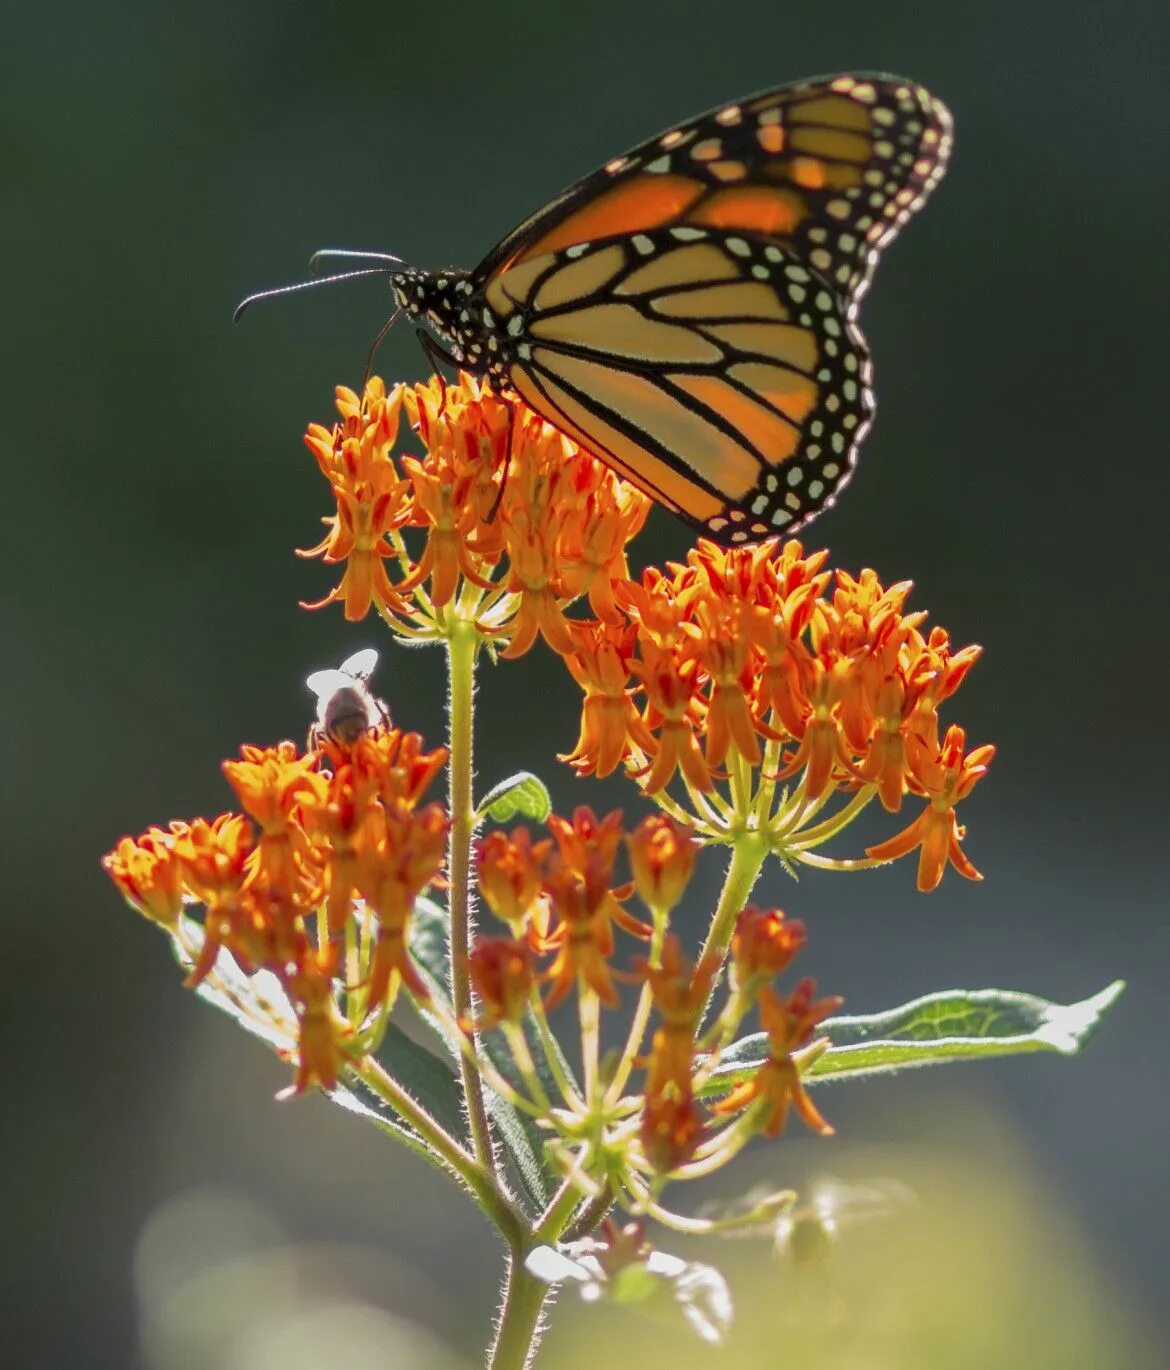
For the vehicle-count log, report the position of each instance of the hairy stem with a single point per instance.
(747, 857)
(641, 1013)
(461, 649)
(518, 1330)
(478, 1179)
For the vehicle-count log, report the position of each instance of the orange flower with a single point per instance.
(213, 856)
(400, 860)
(936, 832)
(578, 883)
(502, 976)
(764, 944)
(510, 871)
(790, 1024)
(724, 652)
(322, 1034)
(394, 764)
(272, 783)
(146, 871)
(605, 517)
(372, 499)
(214, 860)
(674, 710)
(671, 1126)
(680, 992)
(662, 857)
(337, 826)
(680, 989)
(822, 748)
(600, 662)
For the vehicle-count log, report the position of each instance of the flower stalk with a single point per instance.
(462, 646)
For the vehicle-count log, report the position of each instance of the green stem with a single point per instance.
(461, 650)
(518, 1331)
(747, 857)
(641, 1013)
(555, 1218)
(479, 1179)
(589, 1012)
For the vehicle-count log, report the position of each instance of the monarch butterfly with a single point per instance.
(688, 312)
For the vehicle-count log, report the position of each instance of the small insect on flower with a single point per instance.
(346, 709)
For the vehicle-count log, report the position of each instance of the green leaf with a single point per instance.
(522, 794)
(375, 1111)
(429, 1079)
(260, 1006)
(523, 1140)
(953, 1025)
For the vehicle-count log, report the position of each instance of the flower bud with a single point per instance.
(764, 944)
(502, 975)
(510, 871)
(146, 871)
(662, 856)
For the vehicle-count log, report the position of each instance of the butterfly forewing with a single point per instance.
(713, 369)
(832, 168)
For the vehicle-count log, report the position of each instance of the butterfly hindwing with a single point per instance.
(712, 368)
(831, 168)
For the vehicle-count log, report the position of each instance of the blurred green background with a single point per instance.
(159, 161)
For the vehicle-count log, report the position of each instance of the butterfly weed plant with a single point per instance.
(756, 701)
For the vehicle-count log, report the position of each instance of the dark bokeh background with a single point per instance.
(160, 161)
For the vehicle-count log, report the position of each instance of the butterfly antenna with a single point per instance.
(307, 285)
(347, 254)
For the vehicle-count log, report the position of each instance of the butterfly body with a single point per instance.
(688, 312)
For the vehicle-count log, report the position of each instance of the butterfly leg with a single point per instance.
(437, 356)
(499, 499)
(386, 327)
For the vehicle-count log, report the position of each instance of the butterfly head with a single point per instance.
(442, 302)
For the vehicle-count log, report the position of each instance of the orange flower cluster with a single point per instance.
(502, 499)
(279, 881)
(559, 896)
(672, 1124)
(759, 652)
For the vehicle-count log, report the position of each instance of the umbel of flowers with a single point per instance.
(754, 699)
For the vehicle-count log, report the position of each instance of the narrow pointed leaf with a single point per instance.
(425, 1076)
(954, 1025)
(521, 795)
(522, 1139)
(260, 1006)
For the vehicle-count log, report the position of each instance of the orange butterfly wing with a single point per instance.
(831, 167)
(688, 312)
(711, 369)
